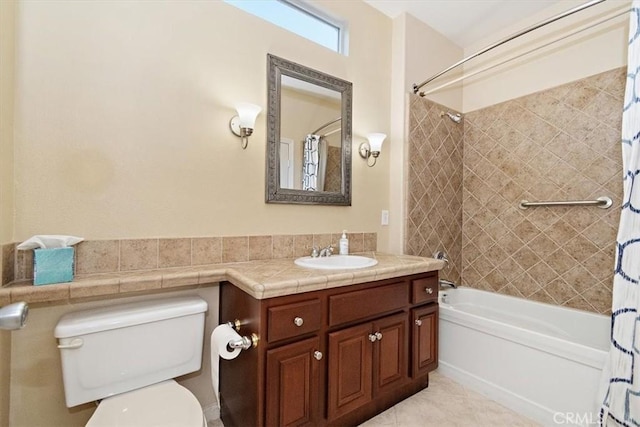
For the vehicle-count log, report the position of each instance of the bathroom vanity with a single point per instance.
(335, 356)
(357, 349)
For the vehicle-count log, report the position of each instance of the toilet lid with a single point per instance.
(166, 404)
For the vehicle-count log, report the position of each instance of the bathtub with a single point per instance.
(541, 360)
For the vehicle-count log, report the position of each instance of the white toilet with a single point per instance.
(127, 355)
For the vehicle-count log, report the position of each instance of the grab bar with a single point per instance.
(601, 202)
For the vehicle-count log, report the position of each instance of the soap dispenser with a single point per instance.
(344, 243)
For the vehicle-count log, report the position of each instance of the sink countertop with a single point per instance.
(260, 279)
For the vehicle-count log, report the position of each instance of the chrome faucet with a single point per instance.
(443, 283)
(328, 251)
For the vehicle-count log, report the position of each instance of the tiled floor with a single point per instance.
(444, 403)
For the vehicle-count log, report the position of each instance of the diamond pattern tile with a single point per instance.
(466, 182)
(434, 206)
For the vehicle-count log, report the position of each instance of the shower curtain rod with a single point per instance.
(417, 87)
(535, 49)
(329, 123)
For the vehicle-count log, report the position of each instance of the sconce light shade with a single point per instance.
(372, 148)
(242, 125)
(375, 141)
(247, 114)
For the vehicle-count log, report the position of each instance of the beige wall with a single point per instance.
(418, 52)
(7, 21)
(429, 52)
(121, 131)
(125, 119)
(7, 52)
(590, 52)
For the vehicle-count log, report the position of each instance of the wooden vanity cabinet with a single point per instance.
(293, 384)
(332, 357)
(424, 357)
(424, 321)
(365, 361)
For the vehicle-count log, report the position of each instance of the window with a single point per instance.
(299, 18)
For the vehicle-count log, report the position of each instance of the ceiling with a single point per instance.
(464, 21)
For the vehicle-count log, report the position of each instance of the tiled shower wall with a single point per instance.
(434, 196)
(559, 144)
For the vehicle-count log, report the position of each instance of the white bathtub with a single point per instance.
(541, 360)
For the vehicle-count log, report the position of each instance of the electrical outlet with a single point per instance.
(385, 218)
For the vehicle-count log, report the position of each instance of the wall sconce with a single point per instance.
(242, 125)
(372, 148)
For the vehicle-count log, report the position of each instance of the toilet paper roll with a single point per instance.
(220, 337)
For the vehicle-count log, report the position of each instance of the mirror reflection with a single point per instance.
(309, 138)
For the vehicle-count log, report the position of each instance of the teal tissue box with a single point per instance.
(53, 266)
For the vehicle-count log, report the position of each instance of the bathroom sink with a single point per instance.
(336, 262)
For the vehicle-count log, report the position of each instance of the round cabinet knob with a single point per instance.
(428, 290)
(378, 336)
(317, 355)
(418, 322)
(298, 321)
(373, 337)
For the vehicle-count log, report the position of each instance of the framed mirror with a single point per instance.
(308, 137)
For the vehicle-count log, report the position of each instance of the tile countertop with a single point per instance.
(260, 279)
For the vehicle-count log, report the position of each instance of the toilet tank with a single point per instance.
(110, 350)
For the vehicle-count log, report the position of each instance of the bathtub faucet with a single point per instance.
(443, 283)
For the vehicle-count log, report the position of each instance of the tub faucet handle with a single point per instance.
(442, 256)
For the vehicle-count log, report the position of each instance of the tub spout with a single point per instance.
(443, 283)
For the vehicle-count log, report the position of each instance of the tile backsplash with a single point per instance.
(558, 144)
(111, 256)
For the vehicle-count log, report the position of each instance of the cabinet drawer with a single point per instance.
(424, 290)
(365, 303)
(290, 320)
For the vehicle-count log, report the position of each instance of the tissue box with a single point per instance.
(53, 265)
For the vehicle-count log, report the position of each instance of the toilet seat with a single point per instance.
(165, 404)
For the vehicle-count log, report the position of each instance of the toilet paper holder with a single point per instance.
(235, 325)
(244, 342)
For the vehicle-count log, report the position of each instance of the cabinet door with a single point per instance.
(425, 340)
(293, 383)
(349, 364)
(390, 353)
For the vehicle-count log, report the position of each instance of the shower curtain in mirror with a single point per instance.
(621, 402)
(314, 163)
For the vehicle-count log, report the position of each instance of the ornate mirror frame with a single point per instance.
(277, 67)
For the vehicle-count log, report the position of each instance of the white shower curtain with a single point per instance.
(314, 163)
(621, 392)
